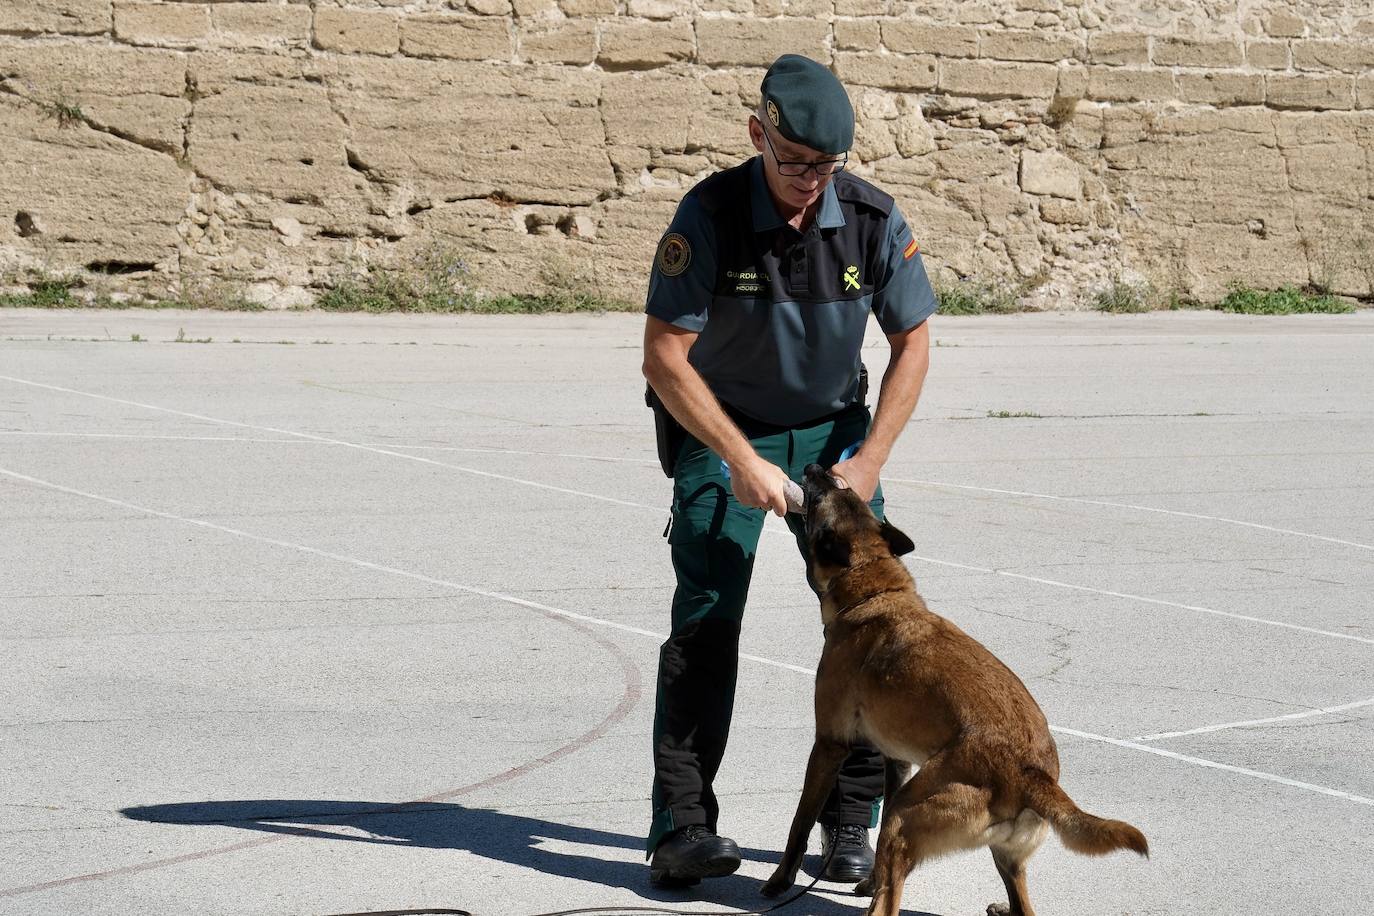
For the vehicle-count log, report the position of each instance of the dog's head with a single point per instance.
(841, 531)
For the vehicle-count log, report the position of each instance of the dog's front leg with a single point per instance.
(826, 759)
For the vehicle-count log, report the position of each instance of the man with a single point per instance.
(758, 301)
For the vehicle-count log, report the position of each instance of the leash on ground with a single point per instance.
(611, 910)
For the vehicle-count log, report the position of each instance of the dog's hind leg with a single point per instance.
(953, 816)
(826, 759)
(1013, 872)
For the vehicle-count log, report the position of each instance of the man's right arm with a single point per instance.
(756, 482)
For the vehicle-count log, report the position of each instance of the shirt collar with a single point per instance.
(766, 216)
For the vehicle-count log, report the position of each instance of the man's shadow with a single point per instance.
(493, 835)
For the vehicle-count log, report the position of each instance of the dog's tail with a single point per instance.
(1079, 831)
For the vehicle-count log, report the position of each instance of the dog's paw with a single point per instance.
(865, 887)
(998, 909)
(776, 885)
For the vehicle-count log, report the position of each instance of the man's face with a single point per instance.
(796, 192)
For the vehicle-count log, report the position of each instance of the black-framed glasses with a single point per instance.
(797, 169)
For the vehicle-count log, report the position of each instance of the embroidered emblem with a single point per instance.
(851, 277)
(674, 254)
(911, 249)
(772, 112)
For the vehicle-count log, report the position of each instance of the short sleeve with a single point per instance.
(683, 277)
(904, 298)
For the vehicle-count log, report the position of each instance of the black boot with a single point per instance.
(853, 856)
(690, 854)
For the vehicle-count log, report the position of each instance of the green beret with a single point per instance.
(807, 104)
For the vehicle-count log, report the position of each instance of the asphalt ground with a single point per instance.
(334, 614)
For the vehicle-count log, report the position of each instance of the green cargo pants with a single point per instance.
(713, 540)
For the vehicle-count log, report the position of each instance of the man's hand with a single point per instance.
(860, 474)
(758, 484)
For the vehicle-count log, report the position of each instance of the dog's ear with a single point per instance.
(899, 543)
(831, 549)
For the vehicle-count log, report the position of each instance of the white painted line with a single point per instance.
(511, 599)
(1212, 764)
(326, 439)
(658, 509)
(253, 439)
(1103, 502)
(1305, 714)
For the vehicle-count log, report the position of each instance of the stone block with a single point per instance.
(571, 41)
(1222, 89)
(1267, 55)
(456, 37)
(1130, 84)
(990, 80)
(1065, 212)
(907, 73)
(758, 43)
(1284, 24)
(1186, 52)
(1118, 48)
(654, 111)
(92, 196)
(1033, 45)
(909, 37)
(1364, 91)
(640, 45)
(140, 93)
(1050, 173)
(166, 25)
(659, 9)
(1309, 92)
(860, 7)
(587, 7)
(857, 34)
(261, 25)
(490, 7)
(1346, 56)
(357, 31)
(63, 17)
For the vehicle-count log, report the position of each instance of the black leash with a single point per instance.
(621, 909)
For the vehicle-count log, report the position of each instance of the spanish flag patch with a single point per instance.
(910, 249)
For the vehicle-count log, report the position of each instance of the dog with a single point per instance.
(925, 694)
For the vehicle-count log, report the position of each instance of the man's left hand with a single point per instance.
(859, 474)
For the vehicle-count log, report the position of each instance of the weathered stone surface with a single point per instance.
(456, 37)
(571, 41)
(1015, 44)
(92, 197)
(1050, 173)
(1309, 91)
(1186, 52)
(857, 34)
(259, 25)
(645, 44)
(889, 71)
(1222, 89)
(1347, 56)
(759, 42)
(66, 17)
(989, 80)
(296, 139)
(1118, 48)
(1128, 84)
(1267, 55)
(357, 31)
(909, 37)
(166, 25)
(140, 94)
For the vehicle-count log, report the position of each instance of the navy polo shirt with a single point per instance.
(781, 314)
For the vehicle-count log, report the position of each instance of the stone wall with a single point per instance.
(277, 145)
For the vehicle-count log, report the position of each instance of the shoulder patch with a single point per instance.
(674, 254)
(853, 189)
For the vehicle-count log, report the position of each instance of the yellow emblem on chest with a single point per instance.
(851, 277)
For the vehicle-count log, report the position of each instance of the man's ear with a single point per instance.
(899, 543)
(830, 549)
